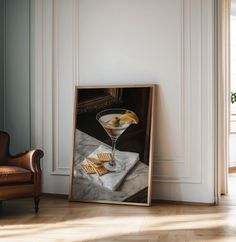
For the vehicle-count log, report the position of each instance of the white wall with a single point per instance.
(90, 42)
(15, 80)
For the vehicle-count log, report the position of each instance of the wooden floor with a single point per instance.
(59, 220)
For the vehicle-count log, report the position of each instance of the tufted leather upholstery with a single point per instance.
(14, 174)
(20, 175)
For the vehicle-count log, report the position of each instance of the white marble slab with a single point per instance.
(112, 180)
(84, 190)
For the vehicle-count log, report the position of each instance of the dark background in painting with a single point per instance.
(136, 137)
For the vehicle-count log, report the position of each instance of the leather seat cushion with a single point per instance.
(13, 174)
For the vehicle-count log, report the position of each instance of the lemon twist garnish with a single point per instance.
(127, 117)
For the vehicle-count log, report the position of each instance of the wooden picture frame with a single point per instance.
(93, 178)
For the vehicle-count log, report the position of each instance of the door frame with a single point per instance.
(222, 95)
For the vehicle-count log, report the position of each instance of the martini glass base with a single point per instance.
(113, 167)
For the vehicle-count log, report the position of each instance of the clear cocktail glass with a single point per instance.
(111, 121)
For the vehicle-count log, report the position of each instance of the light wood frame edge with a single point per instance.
(73, 150)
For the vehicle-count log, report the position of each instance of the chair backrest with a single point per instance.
(4, 147)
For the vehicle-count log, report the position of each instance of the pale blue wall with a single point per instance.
(17, 73)
(1, 62)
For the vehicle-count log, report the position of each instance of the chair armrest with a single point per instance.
(28, 160)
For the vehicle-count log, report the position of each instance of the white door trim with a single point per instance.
(222, 94)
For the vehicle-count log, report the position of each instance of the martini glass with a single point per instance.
(109, 119)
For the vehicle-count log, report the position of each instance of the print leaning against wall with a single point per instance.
(113, 144)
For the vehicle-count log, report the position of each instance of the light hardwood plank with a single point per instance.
(61, 221)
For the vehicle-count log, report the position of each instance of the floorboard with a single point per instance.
(60, 220)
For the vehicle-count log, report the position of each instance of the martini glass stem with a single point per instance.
(112, 162)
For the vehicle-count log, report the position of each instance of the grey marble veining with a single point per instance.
(112, 180)
(84, 189)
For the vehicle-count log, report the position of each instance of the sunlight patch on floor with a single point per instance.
(98, 228)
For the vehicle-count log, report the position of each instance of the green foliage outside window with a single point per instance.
(233, 97)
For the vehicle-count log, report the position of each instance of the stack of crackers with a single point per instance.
(96, 165)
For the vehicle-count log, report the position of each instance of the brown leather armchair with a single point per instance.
(20, 175)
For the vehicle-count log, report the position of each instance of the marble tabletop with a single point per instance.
(83, 189)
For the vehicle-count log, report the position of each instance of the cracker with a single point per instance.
(94, 162)
(101, 170)
(104, 157)
(97, 166)
(94, 166)
(88, 168)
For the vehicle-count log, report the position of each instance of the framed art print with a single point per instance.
(113, 144)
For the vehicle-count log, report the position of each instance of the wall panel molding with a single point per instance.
(199, 48)
(54, 78)
(62, 27)
(177, 168)
(194, 44)
(168, 158)
(63, 17)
